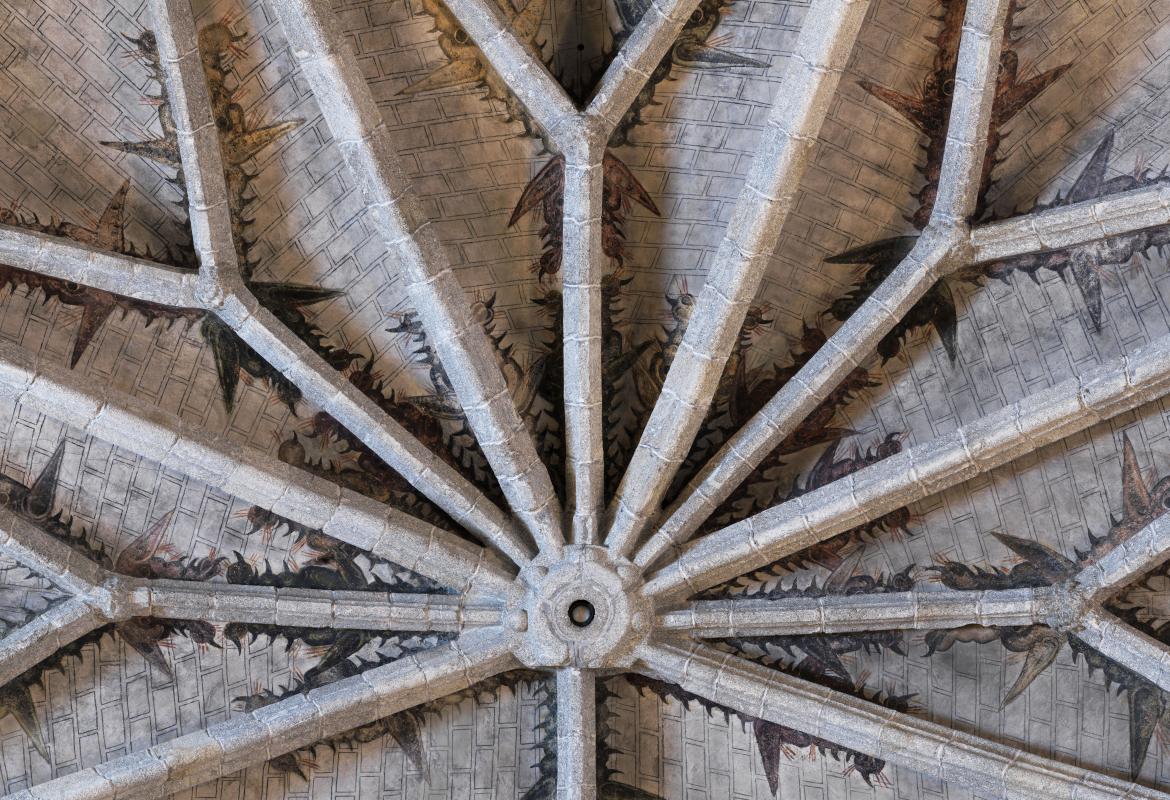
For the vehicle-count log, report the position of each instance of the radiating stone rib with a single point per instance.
(1072, 225)
(45, 634)
(914, 610)
(331, 70)
(318, 382)
(801, 395)
(637, 58)
(52, 559)
(1129, 647)
(248, 474)
(309, 608)
(772, 182)
(519, 66)
(199, 146)
(576, 734)
(67, 260)
(961, 759)
(940, 249)
(1128, 560)
(1022, 427)
(583, 264)
(254, 737)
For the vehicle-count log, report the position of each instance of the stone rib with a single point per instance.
(519, 66)
(311, 608)
(54, 560)
(642, 51)
(1128, 560)
(250, 475)
(1127, 646)
(120, 274)
(1072, 225)
(199, 147)
(941, 249)
(902, 740)
(433, 477)
(584, 264)
(1022, 427)
(914, 610)
(772, 182)
(800, 396)
(288, 725)
(470, 361)
(576, 734)
(45, 634)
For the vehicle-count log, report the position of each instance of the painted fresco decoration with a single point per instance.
(1142, 503)
(405, 727)
(145, 556)
(774, 740)
(240, 141)
(929, 111)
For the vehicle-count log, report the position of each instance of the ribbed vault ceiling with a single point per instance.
(471, 398)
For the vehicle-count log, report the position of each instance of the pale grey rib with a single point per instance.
(576, 734)
(1129, 647)
(199, 147)
(583, 264)
(310, 608)
(331, 70)
(45, 634)
(914, 610)
(972, 103)
(940, 249)
(1129, 559)
(285, 726)
(773, 179)
(932, 256)
(66, 260)
(961, 759)
(520, 67)
(51, 558)
(1072, 225)
(433, 477)
(248, 474)
(639, 55)
(1022, 427)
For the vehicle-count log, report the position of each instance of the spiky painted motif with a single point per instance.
(1043, 566)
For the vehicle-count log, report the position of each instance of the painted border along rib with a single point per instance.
(199, 146)
(583, 264)
(957, 758)
(45, 634)
(66, 260)
(773, 179)
(1128, 646)
(331, 69)
(288, 725)
(913, 610)
(941, 248)
(310, 608)
(520, 67)
(1022, 427)
(576, 734)
(637, 58)
(250, 475)
(433, 477)
(1069, 226)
